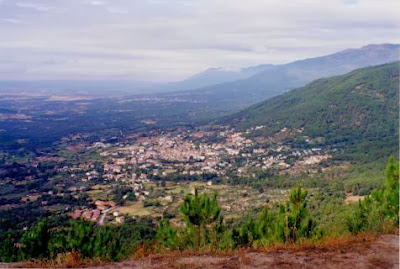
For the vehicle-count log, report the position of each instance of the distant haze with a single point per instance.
(160, 40)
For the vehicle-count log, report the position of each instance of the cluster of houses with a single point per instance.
(87, 214)
(166, 154)
(99, 214)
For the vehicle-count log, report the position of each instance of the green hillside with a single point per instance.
(359, 109)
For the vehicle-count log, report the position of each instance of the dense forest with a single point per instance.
(358, 110)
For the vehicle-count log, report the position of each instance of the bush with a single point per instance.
(380, 210)
(110, 243)
(290, 222)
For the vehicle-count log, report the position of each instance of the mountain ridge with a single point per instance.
(359, 106)
(281, 78)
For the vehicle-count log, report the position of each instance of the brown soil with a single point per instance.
(383, 252)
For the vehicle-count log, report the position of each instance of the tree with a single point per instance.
(200, 211)
(293, 220)
(388, 196)
(35, 242)
(8, 250)
(381, 207)
(166, 234)
(80, 237)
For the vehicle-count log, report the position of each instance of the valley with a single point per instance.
(112, 165)
(199, 134)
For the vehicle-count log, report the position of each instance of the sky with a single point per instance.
(168, 40)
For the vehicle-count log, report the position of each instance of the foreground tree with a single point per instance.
(166, 235)
(35, 242)
(379, 211)
(200, 210)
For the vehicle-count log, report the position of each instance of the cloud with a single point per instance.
(118, 10)
(38, 7)
(12, 20)
(169, 40)
(97, 3)
(350, 2)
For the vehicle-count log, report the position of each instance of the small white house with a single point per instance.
(116, 213)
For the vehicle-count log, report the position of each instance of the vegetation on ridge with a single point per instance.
(358, 110)
(289, 222)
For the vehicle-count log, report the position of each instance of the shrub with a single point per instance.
(381, 208)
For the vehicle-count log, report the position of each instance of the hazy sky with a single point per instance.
(172, 39)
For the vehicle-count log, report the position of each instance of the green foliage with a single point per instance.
(358, 110)
(381, 208)
(364, 178)
(200, 210)
(388, 196)
(358, 222)
(205, 229)
(81, 237)
(120, 191)
(293, 218)
(106, 242)
(289, 223)
(166, 234)
(35, 242)
(110, 243)
(8, 250)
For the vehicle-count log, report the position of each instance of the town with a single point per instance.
(136, 174)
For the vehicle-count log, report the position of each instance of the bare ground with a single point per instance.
(383, 252)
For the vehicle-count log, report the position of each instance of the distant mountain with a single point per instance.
(358, 108)
(213, 76)
(275, 80)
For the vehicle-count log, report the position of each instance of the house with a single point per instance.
(87, 214)
(116, 213)
(95, 215)
(168, 198)
(76, 214)
(102, 205)
(120, 219)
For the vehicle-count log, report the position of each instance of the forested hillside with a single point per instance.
(358, 109)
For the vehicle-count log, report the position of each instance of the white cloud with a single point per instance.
(12, 20)
(118, 10)
(158, 39)
(38, 7)
(97, 3)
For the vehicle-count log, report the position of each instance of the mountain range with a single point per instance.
(272, 80)
(213, 76)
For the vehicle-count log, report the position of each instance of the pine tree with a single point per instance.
(8, 250)
(200, 211)
(35, 242)
(293, 221)
(166, 234)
